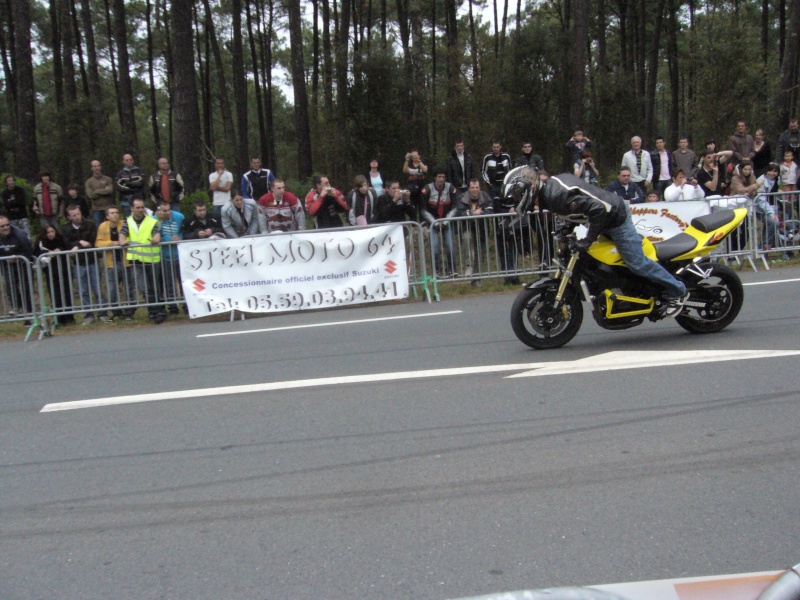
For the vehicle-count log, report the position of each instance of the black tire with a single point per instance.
(723, 294)
(537, 325)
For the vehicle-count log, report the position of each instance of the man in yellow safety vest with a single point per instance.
(141, 235)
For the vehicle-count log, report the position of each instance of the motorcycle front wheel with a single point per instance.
(721, 294)
(541, 326)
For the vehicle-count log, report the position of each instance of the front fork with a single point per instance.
(566, 275)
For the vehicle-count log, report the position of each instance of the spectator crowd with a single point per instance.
(131, 214)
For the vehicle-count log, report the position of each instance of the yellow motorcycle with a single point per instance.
(548, 313)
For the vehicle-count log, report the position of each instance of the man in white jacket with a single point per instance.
(681, 190)
(638, 161)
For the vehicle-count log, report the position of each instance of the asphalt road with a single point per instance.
(435, 487)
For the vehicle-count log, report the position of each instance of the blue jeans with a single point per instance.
(98, 216)
(447, 233)
(145, 281)
(167, 271)
(87, 280)
(116, 276)
(629, 245)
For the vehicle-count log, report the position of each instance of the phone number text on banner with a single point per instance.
(298, 271)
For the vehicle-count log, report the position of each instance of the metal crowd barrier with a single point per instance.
(781, 237)
(17, 298)
(740, 245)
(102, 285)
(489, 246)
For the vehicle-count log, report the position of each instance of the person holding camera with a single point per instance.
(709, 175)
(326, 204)
(416, 170)
(394, 205)
(682, 189)
(585, 168)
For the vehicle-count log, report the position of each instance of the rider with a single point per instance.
(608, 214)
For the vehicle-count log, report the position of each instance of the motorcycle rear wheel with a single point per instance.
(538, 325)
(723, 293)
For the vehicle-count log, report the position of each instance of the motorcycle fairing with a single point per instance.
(709, 230)
(605, 251)
(699, 239)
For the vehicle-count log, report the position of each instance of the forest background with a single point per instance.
(196, 79)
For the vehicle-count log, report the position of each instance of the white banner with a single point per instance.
(658, 221)
(296, 271)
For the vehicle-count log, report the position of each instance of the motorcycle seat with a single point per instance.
(708, 223)
(675, 246)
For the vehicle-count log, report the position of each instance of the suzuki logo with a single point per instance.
(390, 267)
(199, 285)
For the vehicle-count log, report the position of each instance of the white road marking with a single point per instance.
(771, 282)
(436, 314)
(286, 385)
(615, 361)
(603, 362)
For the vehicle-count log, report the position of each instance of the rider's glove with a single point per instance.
(581, 246)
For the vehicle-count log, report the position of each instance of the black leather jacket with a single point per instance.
(580, 202)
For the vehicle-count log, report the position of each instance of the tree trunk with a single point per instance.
(327, 65)
(151, 76)
(79, 48)
(781, 30)
(652, 75)
(764, 31)
(473, 43)
(302, 129)
(99, 116)
(342, 48)
(789, 77)
(239, 87)
(384, 19)
(72, 120)
(496, 32)
(168, 60)
(62, 162)
(265, 32)
(580, 35)
(27, 157)
(112, 60)
(127, 115)
(55, 47)
(186, 115)
(221, 78)
(452, 107)
(256, 78)
(315, 56)
(204, 95)
(690, 89)
(418, 110)
(674, 75)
